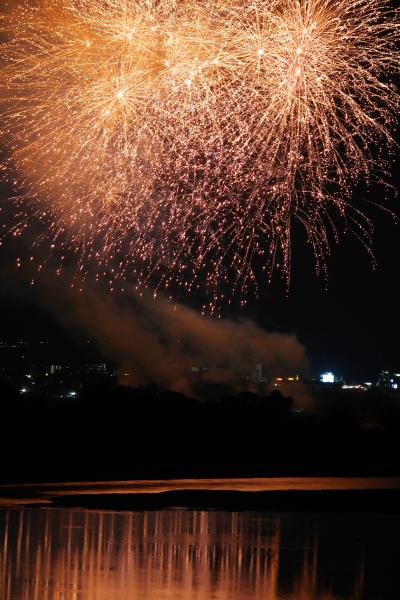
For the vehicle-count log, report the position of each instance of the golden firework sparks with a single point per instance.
(180, 137)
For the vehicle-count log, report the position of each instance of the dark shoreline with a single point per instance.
(382, 501)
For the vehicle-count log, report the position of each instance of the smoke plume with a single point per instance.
(156, 341)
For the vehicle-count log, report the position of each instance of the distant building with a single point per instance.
(388, 380)
(258, 374)
(96, 368)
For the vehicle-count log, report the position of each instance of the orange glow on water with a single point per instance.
(171, 555)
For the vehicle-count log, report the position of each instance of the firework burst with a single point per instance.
(178, 139)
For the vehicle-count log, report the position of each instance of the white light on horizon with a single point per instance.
(327, 377)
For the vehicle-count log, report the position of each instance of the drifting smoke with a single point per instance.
(154, 341)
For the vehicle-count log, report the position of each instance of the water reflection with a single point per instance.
(183, 555)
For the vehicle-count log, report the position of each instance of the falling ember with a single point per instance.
(181, 140)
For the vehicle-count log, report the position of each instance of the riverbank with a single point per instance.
(382, 501)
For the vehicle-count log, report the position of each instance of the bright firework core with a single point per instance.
(180, 139)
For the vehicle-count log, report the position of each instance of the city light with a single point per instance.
(327, 377)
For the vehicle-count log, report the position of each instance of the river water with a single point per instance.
(74, 554)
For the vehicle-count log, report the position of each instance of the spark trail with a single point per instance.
(179, 140)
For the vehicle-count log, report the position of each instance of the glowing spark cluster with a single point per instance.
(183, 138)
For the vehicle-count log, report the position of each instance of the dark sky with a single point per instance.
(352, 325)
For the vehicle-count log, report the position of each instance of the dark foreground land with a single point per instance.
(113, 432)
